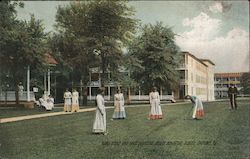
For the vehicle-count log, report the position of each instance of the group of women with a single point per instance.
(100, 117)
(71, 102)
(99, 126)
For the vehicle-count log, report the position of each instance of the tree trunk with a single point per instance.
(103, 69)
(17, 93)
(129, 98)
(85, 95)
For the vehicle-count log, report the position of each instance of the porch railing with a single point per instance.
(10, 96)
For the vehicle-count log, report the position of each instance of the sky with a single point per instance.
(215, 30)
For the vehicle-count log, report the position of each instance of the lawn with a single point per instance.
(222, 134)
(15, 111)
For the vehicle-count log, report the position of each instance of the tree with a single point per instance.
(158, 55)
(7, 20)
(93, 34)
(109, 23)
(245, 83)
(22, 44)
(70, 46)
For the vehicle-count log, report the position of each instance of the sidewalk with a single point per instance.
(26, 117)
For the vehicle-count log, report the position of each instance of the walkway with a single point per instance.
(26, 117)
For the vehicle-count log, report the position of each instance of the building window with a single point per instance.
(182, 74)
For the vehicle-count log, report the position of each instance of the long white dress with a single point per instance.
(155, 111)
(43, 101)
(198, 111)
(75, 101)
(67, 101)
(99, 125)
(50, 103)
(47, 102)
(119, 112)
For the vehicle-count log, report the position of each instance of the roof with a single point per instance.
(207, 60)
(50, 60)
(235, 74)
(199, 60)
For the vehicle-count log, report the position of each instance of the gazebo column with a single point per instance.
(139, 93)
(161, 92)
(109, 92)
(90, 85)
(45, 84)
(89, 92)
(48, 81)
(28, 83)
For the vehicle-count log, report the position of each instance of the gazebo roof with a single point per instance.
(50, 60)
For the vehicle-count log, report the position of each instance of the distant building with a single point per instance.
(197, 77)
(224, 80)
(95, 82)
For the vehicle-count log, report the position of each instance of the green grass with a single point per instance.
(222, 134)
(15, 111)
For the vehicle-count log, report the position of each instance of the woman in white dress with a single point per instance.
(198, 112)
(67, 101)
(99, 126)
(43, 101)
(75, 101)
(47, 102)
(155, 111)
(119, 112)
(50, 103)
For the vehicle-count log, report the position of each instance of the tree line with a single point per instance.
(89, 34)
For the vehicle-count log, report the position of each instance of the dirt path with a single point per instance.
(26, 117)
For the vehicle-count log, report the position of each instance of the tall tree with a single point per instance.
(7, 19)
(110, 21)
(22, 44)
(158, 54)
(93, 33)
(71, 47)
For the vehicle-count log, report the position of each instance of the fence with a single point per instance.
(10, 96)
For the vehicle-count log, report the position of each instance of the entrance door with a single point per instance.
(182, 91)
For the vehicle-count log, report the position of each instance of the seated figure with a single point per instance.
(47, 102)
(50, 103)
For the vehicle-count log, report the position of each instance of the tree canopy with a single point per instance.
(158, 55)
(22, 43)
(92, 34)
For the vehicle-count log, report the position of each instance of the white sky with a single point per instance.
(216, 30)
